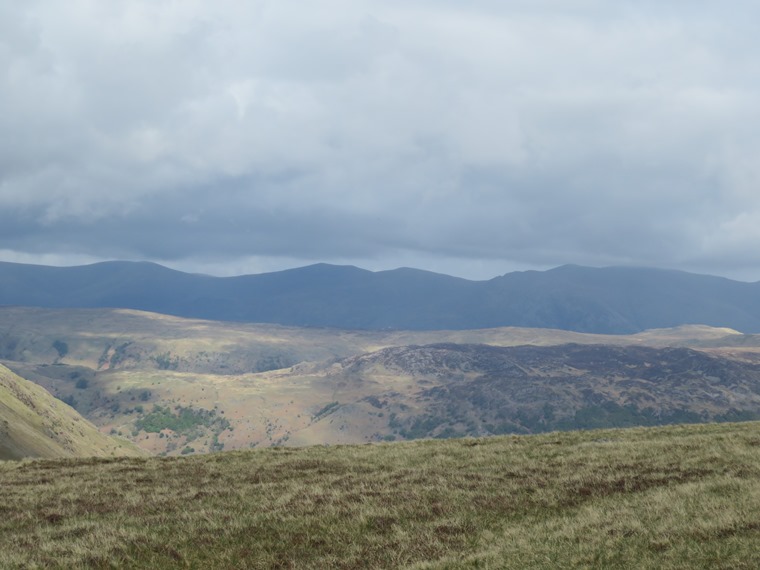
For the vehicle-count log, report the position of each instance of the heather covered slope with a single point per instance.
(608, 300)
(455, 390)
(666, 498)
(34, 424)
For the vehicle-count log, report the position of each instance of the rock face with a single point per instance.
(34, 424)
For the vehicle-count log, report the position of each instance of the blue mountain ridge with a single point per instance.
(613, 300)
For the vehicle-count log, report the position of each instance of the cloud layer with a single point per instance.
(420, 132)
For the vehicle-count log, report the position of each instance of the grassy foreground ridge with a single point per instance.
(674, 497)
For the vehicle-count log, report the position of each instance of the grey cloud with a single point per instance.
(533, 133)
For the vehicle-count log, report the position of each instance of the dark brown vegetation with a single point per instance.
(475, 390)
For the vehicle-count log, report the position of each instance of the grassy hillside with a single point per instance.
(177, 386)
(120, 339)
(34, 424)
(676, 497)
(412, 392)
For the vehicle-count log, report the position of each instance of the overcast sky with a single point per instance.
(472, 138)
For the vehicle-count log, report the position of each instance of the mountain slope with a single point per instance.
(123, 369)
(622, 299)
(451, 390)
(410, 392)
(112, 339)
(610, 300)
(34, 424)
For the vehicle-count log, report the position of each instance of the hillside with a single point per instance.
(474, 390)
(174, 385)
(119, 339)
(610, 300)
(34, 424)
(454, 390)
(665, 498)
(409, 392)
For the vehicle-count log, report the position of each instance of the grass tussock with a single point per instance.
(676, 497)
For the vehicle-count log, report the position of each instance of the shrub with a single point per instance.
(69, 400)
(61, 348)
(185, 421)
(166, 362)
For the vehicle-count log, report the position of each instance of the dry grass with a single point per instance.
(677, 497)
(34, 424)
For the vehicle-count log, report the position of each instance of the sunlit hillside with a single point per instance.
(34, 424)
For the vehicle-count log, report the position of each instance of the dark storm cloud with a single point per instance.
(517, 133)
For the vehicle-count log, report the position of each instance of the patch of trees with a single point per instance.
(165, 361)
(181, 420)
(69, 400)
(328, 409)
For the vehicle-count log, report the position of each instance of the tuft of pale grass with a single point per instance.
(675, 497)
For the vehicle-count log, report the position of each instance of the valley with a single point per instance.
(179, 386)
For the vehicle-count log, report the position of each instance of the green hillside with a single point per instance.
(34, 424)
(675, 497)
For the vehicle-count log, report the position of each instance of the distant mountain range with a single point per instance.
(612, 300)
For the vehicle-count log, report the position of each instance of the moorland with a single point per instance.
(665, 498)
(180, 386)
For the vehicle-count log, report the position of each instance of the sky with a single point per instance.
(470, 138)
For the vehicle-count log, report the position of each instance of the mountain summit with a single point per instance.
(608, 300)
